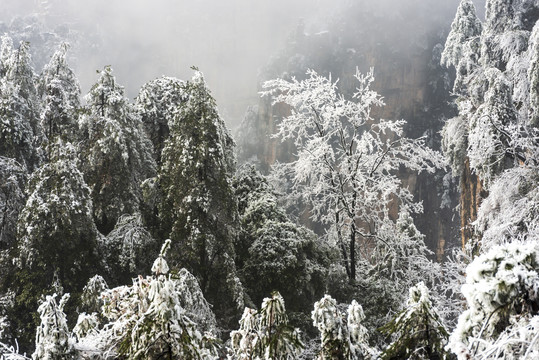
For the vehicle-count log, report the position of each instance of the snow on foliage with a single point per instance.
(56, 234)
(342, 336)
(347, 162)
(117, 154)
(128, 248)
(512, 207)
(273, 252)
(266, 334)
(91, 294)
(157, 103)
(533, 76)
(465, 27)
(501, 292)
(53, 340)
(11, 353)
(198, 209)
(12, 199)
(417, 330)
(58, 205)
(486, 145)
(496, 94)
(19, 130)
(60, 93)
(160, 315)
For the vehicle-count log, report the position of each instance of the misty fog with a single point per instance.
(230, 41)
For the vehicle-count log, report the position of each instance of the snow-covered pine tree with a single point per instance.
(19, 107)
(53, 339)
(13, 179)
(462, 45)
(418, 330)
(6, 48)
(59, 90)
(163, 330)
(198, 208)
(56, 235)
(157, 102)
(127, 249)
(91, 300)
(116, 152)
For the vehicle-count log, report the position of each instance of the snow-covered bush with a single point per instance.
(502, 294)
(91, 299)
(266, 334)
(342, 336)
(53, 340)
(160, 315)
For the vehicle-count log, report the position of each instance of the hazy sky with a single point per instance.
(229, 40)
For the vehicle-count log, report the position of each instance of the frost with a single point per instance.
(52, 335)
(341, 335)
(465, 27)
(197, 207)
(417, 330)
(346, 160)
(266, 334)
(159, 314)
(501, 290)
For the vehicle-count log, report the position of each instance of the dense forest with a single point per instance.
(325, 227)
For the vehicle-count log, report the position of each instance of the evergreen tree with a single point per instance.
(502, 299)
(60, 93)
(57, 238)
(157, 103)
(91, 299)
(198, 208)
(19, 108)
(116, 152)
(6, 49)
(419, 332)
(164, 330)
(273, 253)
(13, 179)
(163, 316)
(462, 45)
(342, 337)
(494, 134)
(127, 249)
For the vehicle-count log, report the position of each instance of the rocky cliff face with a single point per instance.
(414, 87)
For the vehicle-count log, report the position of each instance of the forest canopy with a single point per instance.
(321, 229)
